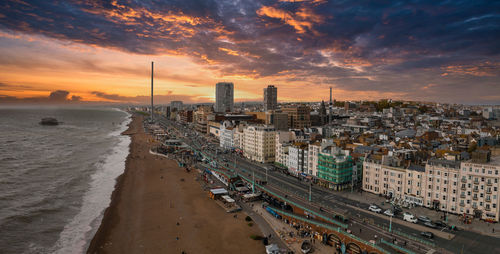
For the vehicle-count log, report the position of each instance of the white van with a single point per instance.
(409, 217)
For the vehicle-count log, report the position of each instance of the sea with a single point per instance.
(56, 181)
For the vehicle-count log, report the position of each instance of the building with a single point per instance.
(450, 186)
(283, 143)
(200, 118)
(186, 116)
(177, 105)
(213, 128)
(479, 196)
(224, 97)
(314, 151)
(298, 158)
(259, 143)
(270, 98)
(298, 116)
(227, 135)
(335, 168)
(278, 119)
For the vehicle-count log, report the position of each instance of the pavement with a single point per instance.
(283, 230)
(477, 225)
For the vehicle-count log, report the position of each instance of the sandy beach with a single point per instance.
(158, 207)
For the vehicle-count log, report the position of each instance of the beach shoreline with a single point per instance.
(157, 207)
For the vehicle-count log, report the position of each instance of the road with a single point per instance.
(331, 202)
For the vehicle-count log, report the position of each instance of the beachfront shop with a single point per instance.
(217, 193)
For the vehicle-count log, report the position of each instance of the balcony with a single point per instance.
(474, 206)
(487, 208)
(488, 200)
(488, 191)
(476, 181)
(475, 197)
(463, 188)
(462, 195)
(475, 190)
(462, 204)
(463, 180)
(489, 183)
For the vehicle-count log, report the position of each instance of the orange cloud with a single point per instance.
(229, 51)
(485, 69)
(302, 21)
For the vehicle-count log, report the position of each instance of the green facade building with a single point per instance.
(335, 171)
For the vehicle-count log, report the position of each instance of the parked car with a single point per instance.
(409, 217)
(430, 224)
(424, 219)
(389, 212)
(375, 209)
(441, 224)
(396, 209)
(426, 234)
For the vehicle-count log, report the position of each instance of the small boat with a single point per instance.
(306, 247)
(49, 121)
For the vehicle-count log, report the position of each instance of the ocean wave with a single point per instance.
(76, 235)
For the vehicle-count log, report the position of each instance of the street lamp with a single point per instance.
(390, 224)
(310, 191)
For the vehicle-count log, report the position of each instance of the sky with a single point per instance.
(101, 51)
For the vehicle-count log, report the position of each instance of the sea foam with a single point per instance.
(77, 234)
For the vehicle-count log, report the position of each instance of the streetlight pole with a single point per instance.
(266, 174)
(310, 191)
(253, 181)
(390, 224)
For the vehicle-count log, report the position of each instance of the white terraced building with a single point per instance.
(451, 186)
(259, 143)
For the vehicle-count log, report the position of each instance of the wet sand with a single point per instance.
(150, 198)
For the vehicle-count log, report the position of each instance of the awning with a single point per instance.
(228, 199)
(218, 191)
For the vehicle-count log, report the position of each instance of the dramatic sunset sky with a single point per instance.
(80, 51)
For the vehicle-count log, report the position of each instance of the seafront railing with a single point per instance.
(329, 227)
(397, 247)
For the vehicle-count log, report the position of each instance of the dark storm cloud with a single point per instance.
(354, 45)
(55, 97)
(59, 96)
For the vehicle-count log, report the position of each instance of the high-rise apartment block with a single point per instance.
(224, 97)
(176, 105)
(270, 98)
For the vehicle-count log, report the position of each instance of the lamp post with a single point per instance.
(390, 224)
(310, 191)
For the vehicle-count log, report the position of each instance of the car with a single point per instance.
(396, 209)
(409, 217)
(424, 219)
(375, 209)
(440, 224)
(427, 234)
(389, 212)
(430, 224)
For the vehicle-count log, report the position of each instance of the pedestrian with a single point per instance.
(360, 230)
(493, 230)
